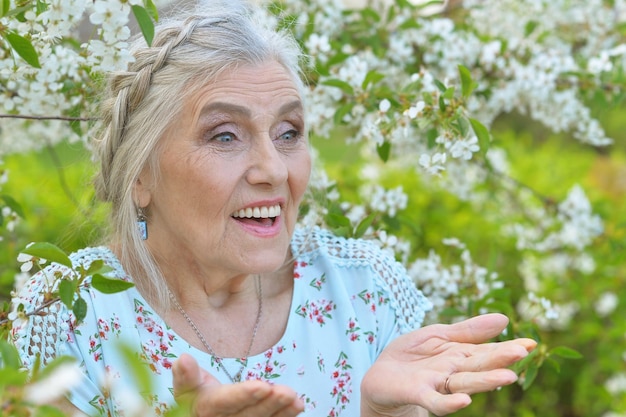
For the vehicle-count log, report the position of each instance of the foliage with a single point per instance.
(472, 141)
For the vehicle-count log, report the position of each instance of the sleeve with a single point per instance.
(49, 331)
(408, 303)
(402, 307)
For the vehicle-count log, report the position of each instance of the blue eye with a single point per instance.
(290, 135)
(224, 137)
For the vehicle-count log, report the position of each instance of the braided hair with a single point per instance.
(188, 52)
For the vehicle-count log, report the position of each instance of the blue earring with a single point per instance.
(142, 224)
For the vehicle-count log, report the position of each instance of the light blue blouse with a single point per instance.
(350, 300)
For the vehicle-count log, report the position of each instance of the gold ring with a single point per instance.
(446, 386)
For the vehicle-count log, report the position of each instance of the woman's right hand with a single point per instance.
(207, 397)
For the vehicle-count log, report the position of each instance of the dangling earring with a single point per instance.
(142, 224)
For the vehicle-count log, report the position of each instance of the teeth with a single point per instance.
(258, 212)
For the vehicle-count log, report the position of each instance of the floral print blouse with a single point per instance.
(350, 300)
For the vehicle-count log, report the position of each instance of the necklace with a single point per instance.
(219, 359)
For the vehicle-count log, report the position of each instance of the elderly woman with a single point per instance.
(234, 307)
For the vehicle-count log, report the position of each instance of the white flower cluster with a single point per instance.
(517, 69)
(545, 313)
(63, 83)
(575, 226)
(456, 285)
(10, 219)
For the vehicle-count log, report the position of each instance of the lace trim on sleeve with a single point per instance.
(409, 304)
(44, 333)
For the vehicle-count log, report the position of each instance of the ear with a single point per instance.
(141, 191)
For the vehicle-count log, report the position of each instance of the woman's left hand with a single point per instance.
(438, 367)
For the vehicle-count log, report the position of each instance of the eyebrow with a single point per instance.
(244, 111)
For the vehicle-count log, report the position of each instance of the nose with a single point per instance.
(267, 164)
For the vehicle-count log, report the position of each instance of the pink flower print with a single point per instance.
(353, 330)
(103, 329)
(280, 349)
(166, 363)
(373, 308)
(318, 282)
(370, 337)
(318, 311)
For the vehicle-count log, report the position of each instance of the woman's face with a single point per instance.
(233, 170)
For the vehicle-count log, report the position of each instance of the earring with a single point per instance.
(142, 224)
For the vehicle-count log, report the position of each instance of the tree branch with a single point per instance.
(65, 118)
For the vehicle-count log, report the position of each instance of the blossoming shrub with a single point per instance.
(464, 139)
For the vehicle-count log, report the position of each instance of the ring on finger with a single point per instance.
(446, 385)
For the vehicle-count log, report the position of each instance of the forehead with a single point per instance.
(263, 85)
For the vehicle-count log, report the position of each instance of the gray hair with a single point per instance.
(187, 52)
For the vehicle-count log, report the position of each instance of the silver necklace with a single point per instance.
(219, 359)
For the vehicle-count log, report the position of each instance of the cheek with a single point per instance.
(300, 173)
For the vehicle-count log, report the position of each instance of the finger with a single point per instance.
(232, 398)
(442, 404)
(478, 329)
(474, 382)
(188, 376)
(282, 402)
(489, 356)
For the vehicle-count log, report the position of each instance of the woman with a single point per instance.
(204, 148)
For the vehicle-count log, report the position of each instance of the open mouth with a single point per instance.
(264, 215)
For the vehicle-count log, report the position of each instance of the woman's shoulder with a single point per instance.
(315, 242)
(86, 256)
(361, 259)
(48, 277)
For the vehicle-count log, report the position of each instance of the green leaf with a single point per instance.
(9, 357)
(566, 352)
(449, 93)
(48, 251)
(48, 411)
(364, 225)
(463, 125)
(431, 137)
(342, 111)
(11, 377)
(530, 27)
(372, 77)
(530, 375)
(109, 286)
(98, 267)
(12, 204)
(145, 23)
(52, 366)
(484, 138)
(467, 84)
(440, 86)
(140, 370)
(4, 9)
(80, 309)
(337, 220)
(24, 48)
(342, 85)
(384, 150)
(151, 9)
(67, 290)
